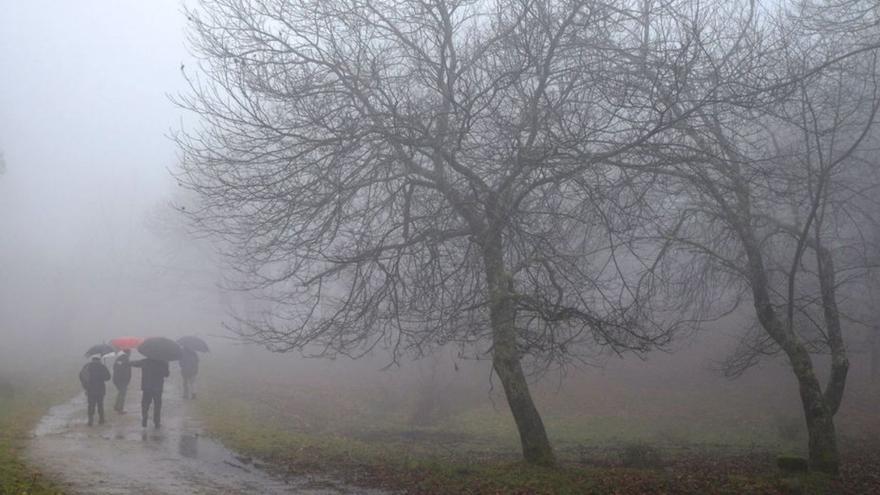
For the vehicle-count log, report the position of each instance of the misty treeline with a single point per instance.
(542, 180)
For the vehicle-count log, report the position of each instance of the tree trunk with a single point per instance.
(823, 454)
(839, 362)
(506, 362)
(819, 409)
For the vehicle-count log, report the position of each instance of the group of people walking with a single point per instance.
(95, 374)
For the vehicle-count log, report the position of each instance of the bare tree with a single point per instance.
(765, 203)
(409, 173)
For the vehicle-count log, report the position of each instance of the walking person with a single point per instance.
(153, 375)
(121, 379)
(93, 377)
(189, 368)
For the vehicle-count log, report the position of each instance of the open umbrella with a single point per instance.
(123, 343)
(100, 349)
(193, 343)
(160, 348)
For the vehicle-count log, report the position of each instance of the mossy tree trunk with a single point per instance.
(823, 454)
(506, 358)
(819, 407)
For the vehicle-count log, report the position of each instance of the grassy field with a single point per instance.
(22, 402)
(418, 460)
(368, 436)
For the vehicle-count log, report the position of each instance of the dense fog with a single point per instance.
(94, 249)
(85, 120)
(100, 163)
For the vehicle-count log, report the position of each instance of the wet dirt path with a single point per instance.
(121, 457)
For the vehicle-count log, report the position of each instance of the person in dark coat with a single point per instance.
(189, 368)
(92, 377)
(153, 375)
(121, 379)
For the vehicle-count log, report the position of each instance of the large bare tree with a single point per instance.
(409, 173)
(767, 203)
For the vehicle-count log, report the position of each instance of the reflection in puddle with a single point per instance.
(147, 436)
(128, 457)
(189, 446)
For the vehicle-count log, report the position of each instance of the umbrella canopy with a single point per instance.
(123, 343)
(100, 349)
(160, 348)
(193, 343)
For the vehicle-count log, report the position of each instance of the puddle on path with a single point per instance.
(121, 457)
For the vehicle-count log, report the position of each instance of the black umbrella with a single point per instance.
(100, 349)
(160, 348)
(193, 343)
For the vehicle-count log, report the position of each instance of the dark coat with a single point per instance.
(153, 374)
(92, 377)
(189, 363)
(122, 371)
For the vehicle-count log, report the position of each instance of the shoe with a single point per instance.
(144, 423)
(158, 425)
(100, 421)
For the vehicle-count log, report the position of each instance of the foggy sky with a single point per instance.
(84, 121)
(84, 124)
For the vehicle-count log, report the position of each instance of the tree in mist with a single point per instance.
(410, 173)
(765, 201)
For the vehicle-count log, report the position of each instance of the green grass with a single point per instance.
(668, 431)
(19, 414)
(418, 467)
(385, 462)
(476, 450)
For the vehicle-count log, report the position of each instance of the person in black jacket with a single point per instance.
(153, 375)
(92, 377)
(121, 379)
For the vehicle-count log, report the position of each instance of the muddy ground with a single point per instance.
(121, 457)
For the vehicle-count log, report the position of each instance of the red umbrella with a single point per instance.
(123, 343)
